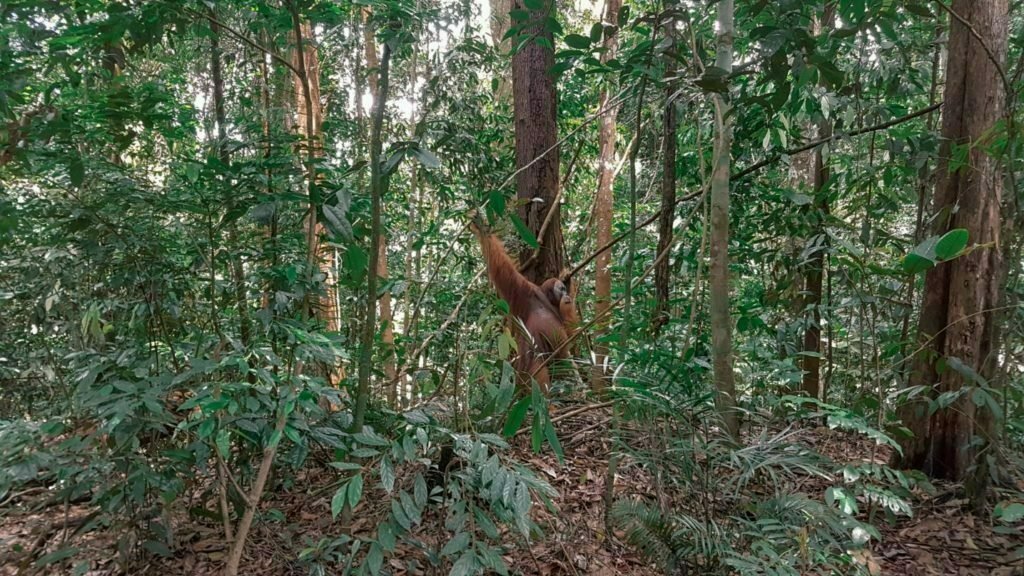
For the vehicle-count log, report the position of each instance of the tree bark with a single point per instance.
(603, 203)
(957, 317)
(387, 337)
(378, 183)
(814, 273)
(310, 119)
(660, 317)
(536, 133)
(721, 323)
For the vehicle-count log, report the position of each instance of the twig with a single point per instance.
(578, 436)
(570, 414)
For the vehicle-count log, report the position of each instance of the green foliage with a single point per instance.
(159, 295)
(751, 531)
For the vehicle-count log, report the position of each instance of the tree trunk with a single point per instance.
(721, 323)
(536, 132)
(924, 182)
(957, 318)
(814, 272)
(378, 183)
(310, 118)
(603, 204)
(387, 337)
(660, 316)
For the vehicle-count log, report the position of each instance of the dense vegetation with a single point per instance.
(236, 263)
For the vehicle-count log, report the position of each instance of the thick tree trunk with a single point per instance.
(924, 182)
(536, 132)
(310, 120)
(603, 204)
(721, 323)
(957, 318)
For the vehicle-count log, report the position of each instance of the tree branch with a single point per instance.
(814, 144)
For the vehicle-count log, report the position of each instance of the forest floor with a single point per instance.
(941, 539)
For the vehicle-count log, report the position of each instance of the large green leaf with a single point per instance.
(516, 417)
(525, 233)
(577, 41)
(951, 244)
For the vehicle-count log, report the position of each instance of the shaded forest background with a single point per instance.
(247, 328)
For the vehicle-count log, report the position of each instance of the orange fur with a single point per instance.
(547, 318)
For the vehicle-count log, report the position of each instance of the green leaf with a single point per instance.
(968, 372)
(466, 565)
(534, 4)
(505, 344)
(399, 515)
(1009, 512)
(223, 443)
(157, 548)
(456, 544)
(525, 233)
(496, 202)
(56, 556)
(192, 172)
(427, 158)
(77, 171)
(356, 261)
(375, 558)
(914, 263)
(337, 221)
(951, 244)
(339, 499)
(206, 427)
(922, 257)
(549, 433)
(370, 438)
(345, 466)
(387, 475)
(799, 199)
(577, 41)
(516, 417)
(355, 490)
(275, 438)
(292, 434)
(832, 75)
(536, 432)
